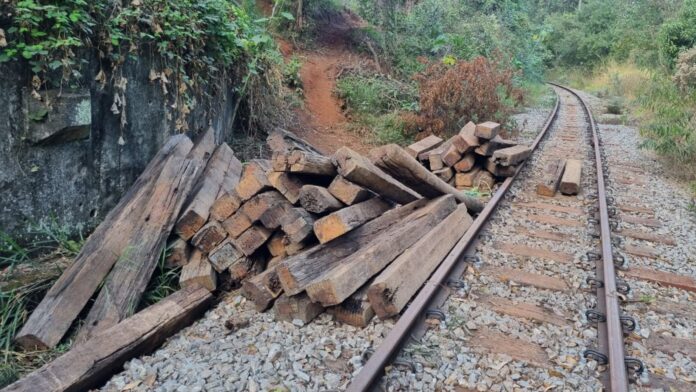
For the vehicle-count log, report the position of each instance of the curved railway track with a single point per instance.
(530, 282)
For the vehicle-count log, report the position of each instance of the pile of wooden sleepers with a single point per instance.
(475, 157)
(302, 233)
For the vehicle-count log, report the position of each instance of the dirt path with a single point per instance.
(321, 120)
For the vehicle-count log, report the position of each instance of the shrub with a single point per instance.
(678, 34)
(669, 124)
(615, 106)
(451, 95)
(376, 104)
(685, 70)
(375, 94)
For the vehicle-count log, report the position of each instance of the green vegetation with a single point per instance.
(28, 271)
(14, 309)
(197, 45)
(376, 104)
(639, 55)
(165, 281)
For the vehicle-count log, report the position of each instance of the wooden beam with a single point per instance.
(225, 206)
(511, 156)
(70, 293)
(224, 256)
(252, 239)
(488, 148)
(254, 179)
(393, 288)
(198, 271)
(204, 194)
(393, 160)
(277, 244)
(551, 179)
(355, 310)
(347, 192)
(299, 270)
(466, 140)
(90, 363)
(236, 224)
(466, 179)
(283, 141)
(572, 177)
(487, 130)
(423, 145)
(309, 163)
(342, 221)
(244, 268)
(338, 283)
(209, 236)
(499, 170)
(465, 164)
(296, 307)
(451, 155)
(289, 185)
(298, 224)
(130, 275)
(444, 174)
(255, 207)
(262, 289)
(668, 279)
(318, 199)
(361, 171)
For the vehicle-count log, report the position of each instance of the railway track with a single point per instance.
(537, 294)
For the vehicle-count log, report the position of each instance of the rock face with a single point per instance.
(70, 162)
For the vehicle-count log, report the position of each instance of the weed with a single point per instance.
(11, 253)
(669, 123)
(47, 236)
(291, 72)
(15, 305)
(375, 94)
(477, 192)
(376, 104)
(646, 299)
(615, 106)
(164, 282)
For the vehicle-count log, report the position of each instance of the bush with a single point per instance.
(375, 94)
(615, 106)
(376, 104)
(685, 70)
(669, 124)
(451, 95)
(678, 34)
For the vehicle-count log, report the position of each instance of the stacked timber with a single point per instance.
(475, 158)
(301, 233)
(375, 211)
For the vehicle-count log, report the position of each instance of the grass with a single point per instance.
(28, 273)
(538, 95)
(15, 305)
(376, 104)
(165, 281)
(610, 80)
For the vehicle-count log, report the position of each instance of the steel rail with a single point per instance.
(374, 367)
(614, 342)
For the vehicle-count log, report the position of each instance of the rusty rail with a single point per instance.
(611, 336)
(374, 367)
